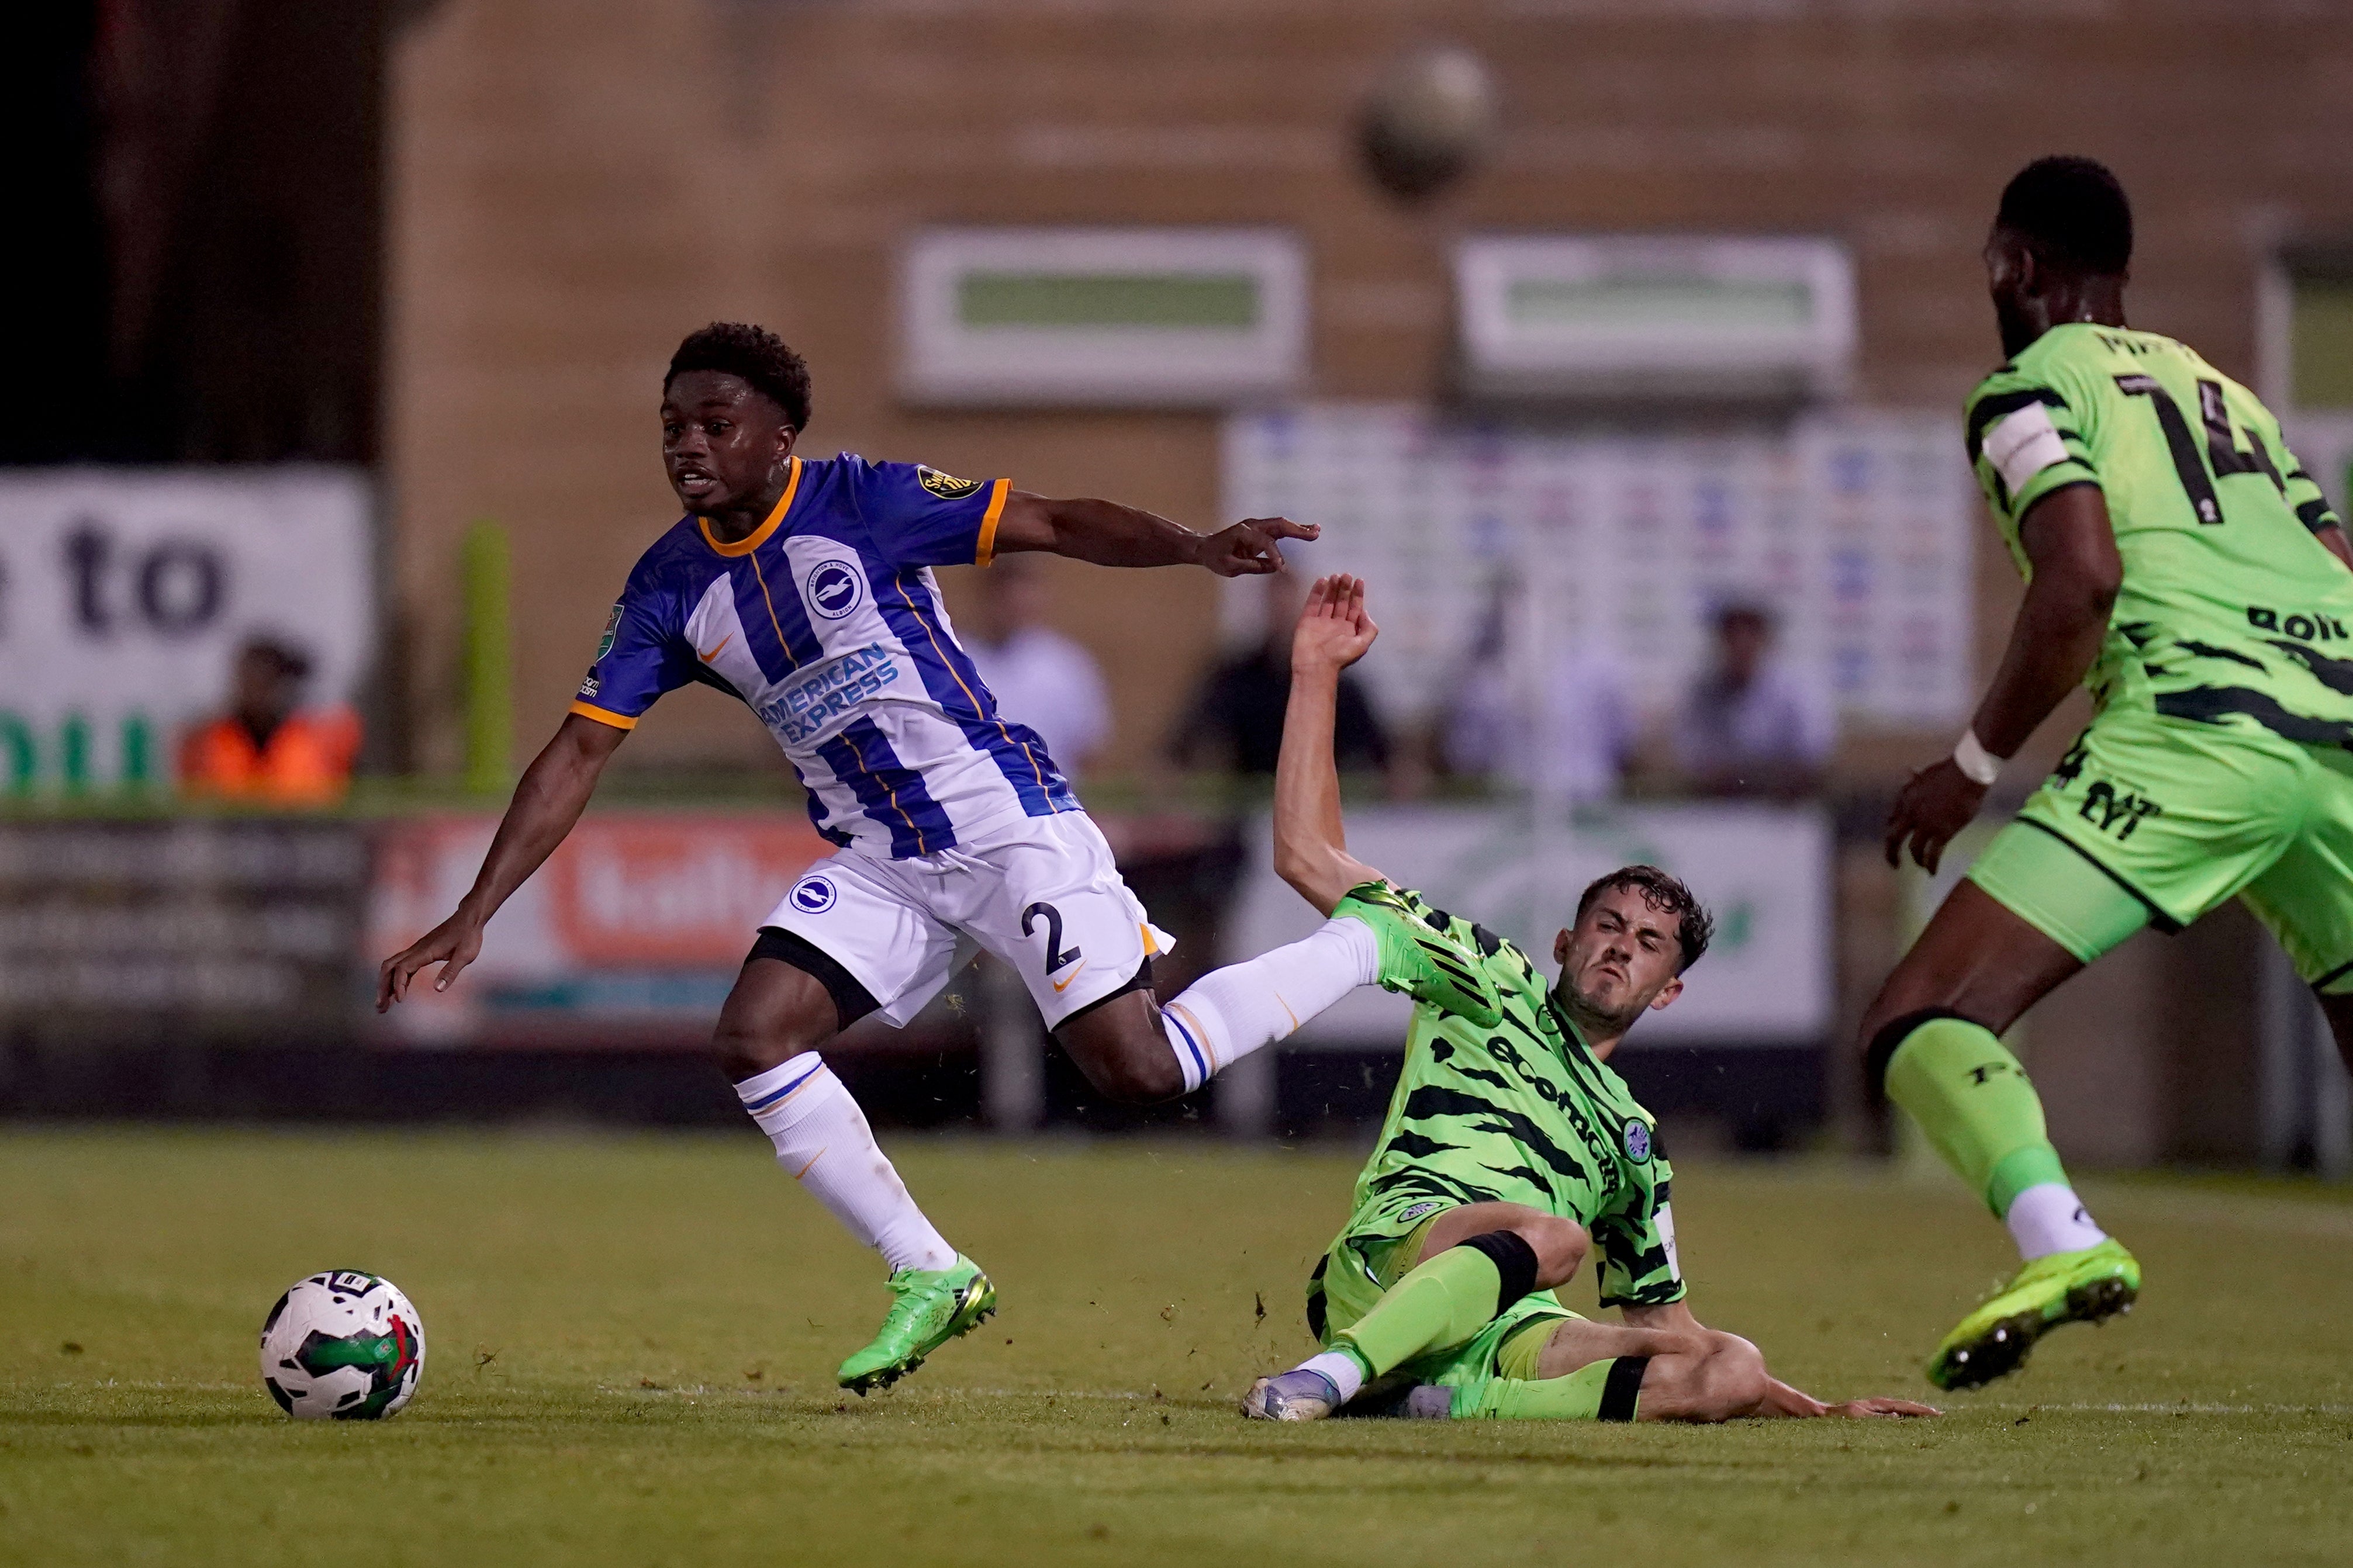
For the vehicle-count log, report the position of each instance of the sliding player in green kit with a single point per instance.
(2180, 564)
(1503, 1144)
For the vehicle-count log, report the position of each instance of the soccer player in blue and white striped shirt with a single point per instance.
(804, 588)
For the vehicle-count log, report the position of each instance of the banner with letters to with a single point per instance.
(125, 593)
(1763, 870)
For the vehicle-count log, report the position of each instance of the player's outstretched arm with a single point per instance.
(1706, 1375)
(548, 800)
(1109, 535)
(2076, 576)
(1310, 846)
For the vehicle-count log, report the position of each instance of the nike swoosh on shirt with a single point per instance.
(1062, 986)
(714, 653)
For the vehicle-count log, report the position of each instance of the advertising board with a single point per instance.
(1763, 870)
(125, 593)
(632, 932)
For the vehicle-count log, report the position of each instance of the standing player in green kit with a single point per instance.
(2181, 566)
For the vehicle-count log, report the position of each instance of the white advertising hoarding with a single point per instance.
(1763, 870)
(125, 593)
(1858, 530)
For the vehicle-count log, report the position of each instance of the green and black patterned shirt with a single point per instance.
(2232, 612)
(1521, 1113)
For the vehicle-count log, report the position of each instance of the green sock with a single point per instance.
(1971, 1097)
(1441, 1303)
(1578, 1396)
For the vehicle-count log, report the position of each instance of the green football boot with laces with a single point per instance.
(932, 1307)
(2079, 1286)
(1425, 963)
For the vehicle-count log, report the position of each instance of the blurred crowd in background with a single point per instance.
(1618, 347)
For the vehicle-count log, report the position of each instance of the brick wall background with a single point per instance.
(573, 185)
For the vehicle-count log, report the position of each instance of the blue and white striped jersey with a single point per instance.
(825, 622)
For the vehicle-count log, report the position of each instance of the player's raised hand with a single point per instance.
(453, 944)
(1935, 803)
(1333, 629)
(1248, 548)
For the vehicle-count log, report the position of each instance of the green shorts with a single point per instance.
(1364, 1263)
(2150, 821)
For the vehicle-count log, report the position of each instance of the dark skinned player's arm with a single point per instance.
(1109, 535)
(1311, 845)
(2064, 620)
(2338, 545)
(2072, 549)
(548, 800)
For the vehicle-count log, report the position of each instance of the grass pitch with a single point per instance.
(631, 1343)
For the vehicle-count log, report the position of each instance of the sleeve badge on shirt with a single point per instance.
(947, 486)
(1637, 1142)
(612, 629)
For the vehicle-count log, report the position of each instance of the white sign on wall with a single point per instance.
(1858, 530)
(125, 593)
(1763, 870)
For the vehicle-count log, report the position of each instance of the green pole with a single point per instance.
(16, 743)
(488, 646)
(73, 753)
(138, 751)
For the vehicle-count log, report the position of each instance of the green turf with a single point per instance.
(631, 1343)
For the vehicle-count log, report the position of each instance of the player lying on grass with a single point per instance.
(2182, 566)
(1510, 1153)
(802, 588)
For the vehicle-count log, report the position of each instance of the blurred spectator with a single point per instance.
(1751, 725)
(1236, 718)
(1566, 736)
(268, 750)
(1040, 677)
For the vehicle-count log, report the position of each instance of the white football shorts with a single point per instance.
(1045, 898)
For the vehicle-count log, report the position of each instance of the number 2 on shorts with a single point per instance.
(1055, 957)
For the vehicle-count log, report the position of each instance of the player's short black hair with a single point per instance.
(1694, 927)
(754, 355)
(2075, 211)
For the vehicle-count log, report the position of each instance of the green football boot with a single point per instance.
(2079, 1286)
(1425, 963)
(932, 1307)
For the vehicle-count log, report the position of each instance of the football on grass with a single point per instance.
(342, 1345)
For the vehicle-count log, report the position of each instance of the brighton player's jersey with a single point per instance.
(2232, 612)
(826, 623)
(1522, 1114)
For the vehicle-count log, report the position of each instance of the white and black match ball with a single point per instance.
(343, 1344)
(1432, 119)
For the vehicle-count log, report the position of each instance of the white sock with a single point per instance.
(1345, 1374)
(822, 1138)
(1228, 1013)
(2051, 1218)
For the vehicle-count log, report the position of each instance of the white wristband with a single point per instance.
(1978, 765)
